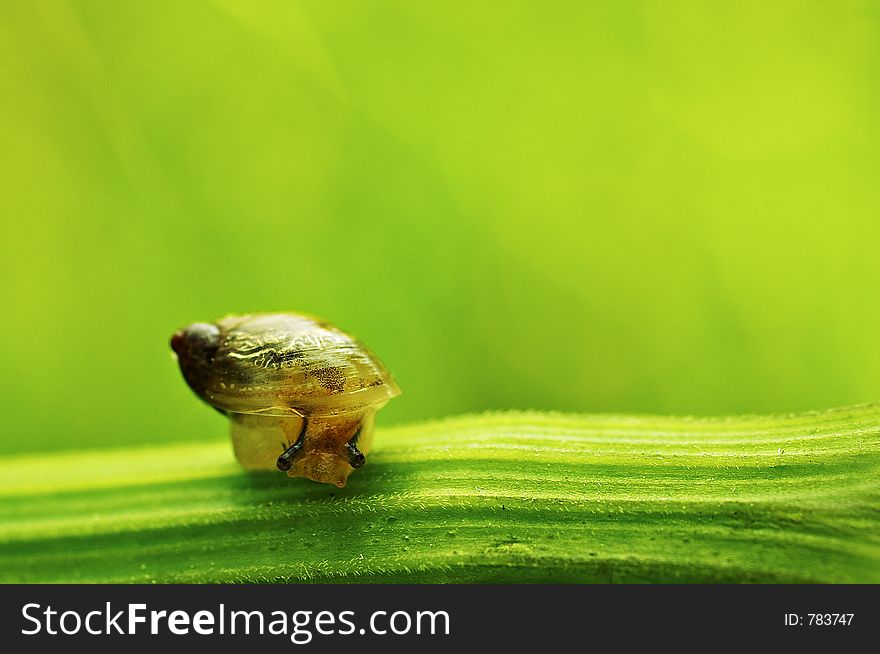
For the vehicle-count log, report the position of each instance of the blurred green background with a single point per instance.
(583, 206)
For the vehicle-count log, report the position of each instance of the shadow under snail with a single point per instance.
(301, 395)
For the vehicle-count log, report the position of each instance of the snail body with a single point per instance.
(301, 394)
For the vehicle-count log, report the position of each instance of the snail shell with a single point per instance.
(300, 393)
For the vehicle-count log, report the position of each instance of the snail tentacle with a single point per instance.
(285, 461)
(356, 458)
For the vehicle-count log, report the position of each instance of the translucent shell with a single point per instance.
(276, 364)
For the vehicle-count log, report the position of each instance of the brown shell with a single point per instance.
(284, 363)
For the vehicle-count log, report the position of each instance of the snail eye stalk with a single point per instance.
(356, 458)
(285, 461)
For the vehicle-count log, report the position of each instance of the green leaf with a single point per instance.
(512, 497)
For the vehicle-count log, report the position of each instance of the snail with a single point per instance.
(301, 395)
